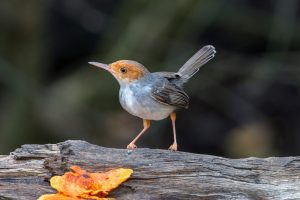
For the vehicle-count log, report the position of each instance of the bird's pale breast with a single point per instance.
(137, 100)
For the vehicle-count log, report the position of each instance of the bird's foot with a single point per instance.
(131, 146)
(173, 147)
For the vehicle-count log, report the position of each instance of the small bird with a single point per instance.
(157, 95)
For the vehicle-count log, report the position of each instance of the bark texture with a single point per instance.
(158, 174)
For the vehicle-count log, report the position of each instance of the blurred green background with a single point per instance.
(246, 102)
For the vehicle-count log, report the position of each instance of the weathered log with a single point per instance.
(158, 174)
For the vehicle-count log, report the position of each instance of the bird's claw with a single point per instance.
(173, 147)
(131, 146)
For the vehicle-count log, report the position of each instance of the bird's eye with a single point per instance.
(123, 70)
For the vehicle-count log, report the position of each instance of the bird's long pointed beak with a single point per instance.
(100, 65)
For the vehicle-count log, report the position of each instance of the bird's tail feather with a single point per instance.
(192, 66)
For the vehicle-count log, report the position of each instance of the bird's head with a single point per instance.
(125, 71)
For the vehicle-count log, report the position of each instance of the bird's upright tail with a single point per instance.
(192, 66)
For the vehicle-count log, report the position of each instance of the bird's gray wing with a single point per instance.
(170, 94)
(168, 75)
(172, 77)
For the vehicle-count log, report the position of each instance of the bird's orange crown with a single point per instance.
(127, 70)
(124, 70)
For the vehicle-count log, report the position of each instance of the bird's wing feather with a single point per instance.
(168, 75)
(170, 94)
(172, 77)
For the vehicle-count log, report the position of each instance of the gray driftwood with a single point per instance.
(158, 174)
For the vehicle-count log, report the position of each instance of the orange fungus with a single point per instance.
(79, 184)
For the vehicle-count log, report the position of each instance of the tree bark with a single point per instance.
(158, 174)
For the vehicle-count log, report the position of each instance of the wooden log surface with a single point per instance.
(158, 174)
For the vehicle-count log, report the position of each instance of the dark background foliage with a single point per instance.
(246, 102)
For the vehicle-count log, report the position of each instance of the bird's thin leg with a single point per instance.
(146, 124)
(173, 147)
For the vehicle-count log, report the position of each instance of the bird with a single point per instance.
(157, 95)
